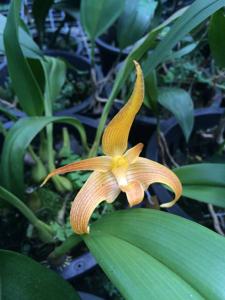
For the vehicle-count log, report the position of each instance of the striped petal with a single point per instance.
(132, 154)
(99, 187)
(134, 191)
(147, 172)
(100, 163)
(115, 136)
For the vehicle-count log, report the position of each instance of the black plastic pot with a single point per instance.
(109, 54)
(78, 266)
(87, 296)
(204, 118)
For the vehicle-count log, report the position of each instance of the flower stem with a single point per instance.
(65, 247)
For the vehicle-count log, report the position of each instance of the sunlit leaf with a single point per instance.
(150, 254)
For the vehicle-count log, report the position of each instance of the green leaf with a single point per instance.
(55, 76)
(29, 47)
(23, 80)
(71, 7)
(203, 182)
(180, 104)
(151, 92)
(24, 279)
(40, 10)
(150, 254)
(195, 14)
(98, 15)
(18, 139)
(134, 21)
(216, 37)
(183, 51)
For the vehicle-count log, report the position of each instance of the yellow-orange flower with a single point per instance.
(119, 170)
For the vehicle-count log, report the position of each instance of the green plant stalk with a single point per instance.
(2, 129)
(51, 163)
(44, 230)
(103, 119)
(61, 184)
(49, 134)
(92, 54)
(65, 247)
(221, 148)
(33, 154)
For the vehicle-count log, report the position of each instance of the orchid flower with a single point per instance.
(119, 170)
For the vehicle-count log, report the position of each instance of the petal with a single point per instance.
(132, 154)
(99, 187)
(134, 191)
(147, 172)
(101, 163)
(115, 136)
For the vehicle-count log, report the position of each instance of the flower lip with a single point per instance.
(119, 161)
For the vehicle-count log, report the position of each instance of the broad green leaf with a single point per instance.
(23, 80)
(134, 21)
(203, 182)
(22, 278)
(18, 139)
(40, 10)
(29, 47)
(180, 104)
(149, 254)
(98, 15)
(216, 37)
(55, 76)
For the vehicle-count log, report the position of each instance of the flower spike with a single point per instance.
(115, 136)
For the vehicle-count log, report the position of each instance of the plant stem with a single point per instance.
(33, 154)
(44, 230)
(66, 246)
(103, 119)
(93, 54)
